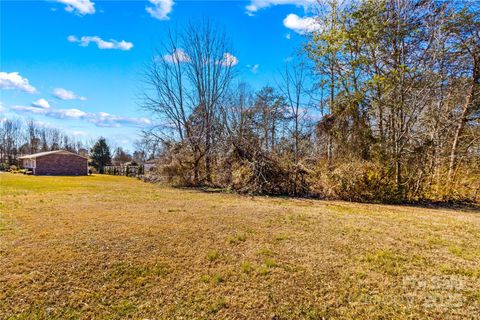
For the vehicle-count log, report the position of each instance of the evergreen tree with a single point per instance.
(100, 155)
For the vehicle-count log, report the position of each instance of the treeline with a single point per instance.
(383, 105)
(101, 157)
(19, 138)
(401, 82)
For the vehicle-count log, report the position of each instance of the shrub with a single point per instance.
(355, 181)
(177, 166)
(261, 175)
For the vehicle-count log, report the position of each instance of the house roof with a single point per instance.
(46, 153)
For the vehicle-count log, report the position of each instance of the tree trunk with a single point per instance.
(208, 158)
(469, 99)
(456, 138)
(196, 169)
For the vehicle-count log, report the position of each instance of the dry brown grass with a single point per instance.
(114, 247)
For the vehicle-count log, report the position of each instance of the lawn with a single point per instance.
(113, 247)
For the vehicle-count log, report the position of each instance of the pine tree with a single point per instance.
(100, 155)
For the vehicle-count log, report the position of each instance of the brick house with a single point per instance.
(56, 163)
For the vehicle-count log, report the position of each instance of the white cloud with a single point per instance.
(100, 119)
(101, 44)
(103, 119)
(229, 60)
(69, 113)
(79, 133)
(80, 7)
(41, 103)
(301, 25)
(14, 80)
(256, 5)
(160, 9)
(177, 56)
(64, 94)
(72, 38)
(53, 113)
(3, 111)
(288, 36)
(29, 109)
(253, 68)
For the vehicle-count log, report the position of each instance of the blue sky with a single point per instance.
(78, 64)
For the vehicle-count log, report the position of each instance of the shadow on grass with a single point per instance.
(426, 204)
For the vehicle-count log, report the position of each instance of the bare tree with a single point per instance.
(32, 133)
(293, 88)
(187, 80)
(11, 138)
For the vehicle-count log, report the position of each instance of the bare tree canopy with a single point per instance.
(187, 81)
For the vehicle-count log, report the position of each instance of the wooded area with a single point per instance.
(382, 104)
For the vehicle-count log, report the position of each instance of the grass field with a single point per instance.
(111, 247)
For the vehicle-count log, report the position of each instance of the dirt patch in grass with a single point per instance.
(114, 247)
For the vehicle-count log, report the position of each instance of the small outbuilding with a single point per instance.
(56, 163)
(150, 165)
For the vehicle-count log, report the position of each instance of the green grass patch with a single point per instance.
(124, 309)
(343, 209)
(130, 271)
(246, 267)
(281, 237)
(435, 241)
(459, 270)
(263, 270)
(217, 305)
(387, 261)
(215, 278)
(266, 252)
(270, 263)
(213, 255)
(3, 225)
(239, 237)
